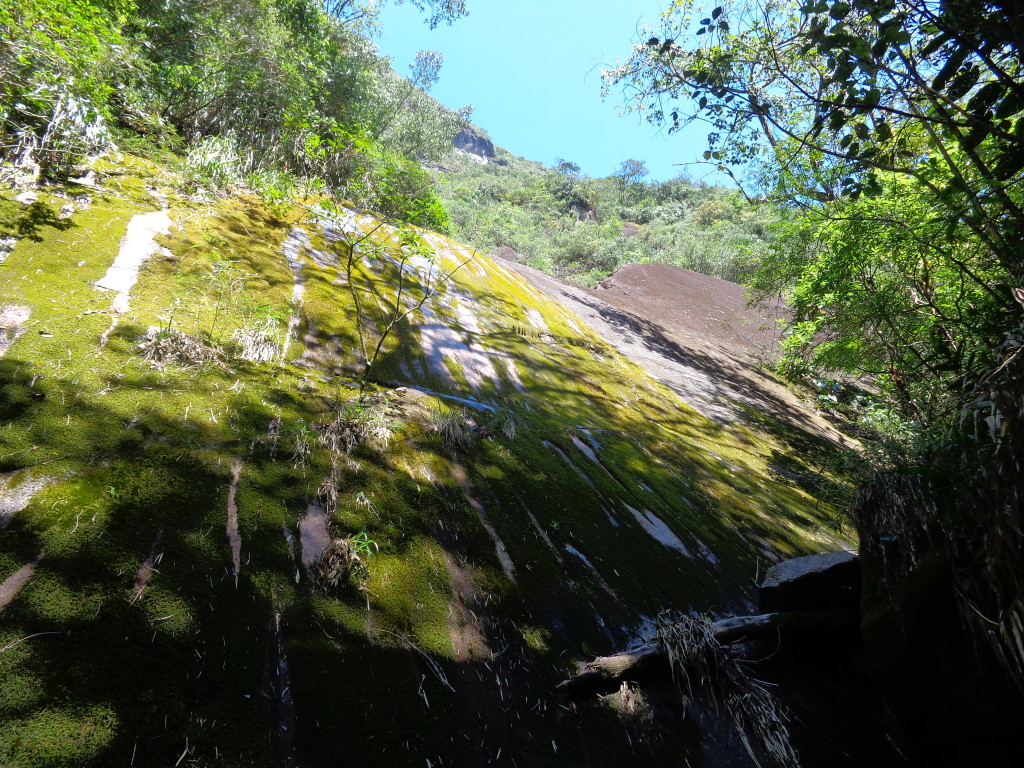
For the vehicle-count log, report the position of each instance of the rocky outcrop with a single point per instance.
(507, 253)
(520, 489)
(583, 210)
(814, 582)
(475, 144)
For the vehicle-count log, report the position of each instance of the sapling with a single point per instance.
(404, 249)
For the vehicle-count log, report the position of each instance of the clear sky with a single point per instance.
(532, 71)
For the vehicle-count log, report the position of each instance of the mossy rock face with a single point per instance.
(171, 611)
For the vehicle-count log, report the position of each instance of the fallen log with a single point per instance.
(648, 662)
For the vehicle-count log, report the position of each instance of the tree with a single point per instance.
(365, 14)
(59, 61)
(418, 278)
(893, 128)
(826, 103)
(630, 173)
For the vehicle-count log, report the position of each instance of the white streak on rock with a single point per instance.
(440, 342)
(292, 248)
(537, 319)
(6, 246)
(499, 546)
(585, 449)
(12, 584)
(137, 246)
(658, 529)
(234, 536)
(593, 571)
(569, 461)
(706, 553)
(12, 321)
(313, 534)
(14, 497)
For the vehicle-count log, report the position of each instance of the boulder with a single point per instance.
(473, 143)
(507, 253)
(811, 583)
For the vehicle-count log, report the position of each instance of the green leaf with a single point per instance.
(960, 85)
(839, 11)
(950, 68)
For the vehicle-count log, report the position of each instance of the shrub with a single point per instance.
(455, 426)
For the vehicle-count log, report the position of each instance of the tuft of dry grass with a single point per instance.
(704, 668)
(455, 426)
(164, 346)
(344, 562)
(259, 342)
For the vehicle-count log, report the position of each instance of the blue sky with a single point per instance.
(532, 71)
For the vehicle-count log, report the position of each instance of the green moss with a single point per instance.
(412, 593)
(142, 462)
(58, 737)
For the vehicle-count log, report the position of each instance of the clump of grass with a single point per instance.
(164, 346)
(303, 436)
(357, 423)
(344, 562)
(703, 668)
(260, 342)
(327, 493)
(503, 420)
(894, 517)
(455, 426)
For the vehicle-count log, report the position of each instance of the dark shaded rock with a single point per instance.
(473, 143)
(583, 210)
(814, 582)
(629, 230)
(507, 253)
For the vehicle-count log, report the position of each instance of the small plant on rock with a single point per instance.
(455, 426)
(260, 341)
(345, 562)
(163, 346)
(502, 420)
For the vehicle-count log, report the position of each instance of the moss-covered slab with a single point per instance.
(524, 495)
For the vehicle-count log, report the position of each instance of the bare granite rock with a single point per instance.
(814, 582)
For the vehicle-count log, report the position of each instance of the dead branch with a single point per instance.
(649, 662)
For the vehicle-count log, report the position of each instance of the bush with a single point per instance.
(59, 63)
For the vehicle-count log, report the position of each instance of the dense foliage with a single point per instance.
(894, 127)
(561, 221)
(268, 93)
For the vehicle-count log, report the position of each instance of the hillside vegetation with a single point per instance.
(285, 97)
(563, 222)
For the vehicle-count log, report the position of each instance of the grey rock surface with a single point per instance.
(814, 582)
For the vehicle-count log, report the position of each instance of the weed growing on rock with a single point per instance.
(504, 421)
(701, 665)
(344, 562)
(163, 346)
(260, 342)
(454, 426)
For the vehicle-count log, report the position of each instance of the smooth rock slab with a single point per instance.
(813, 582)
